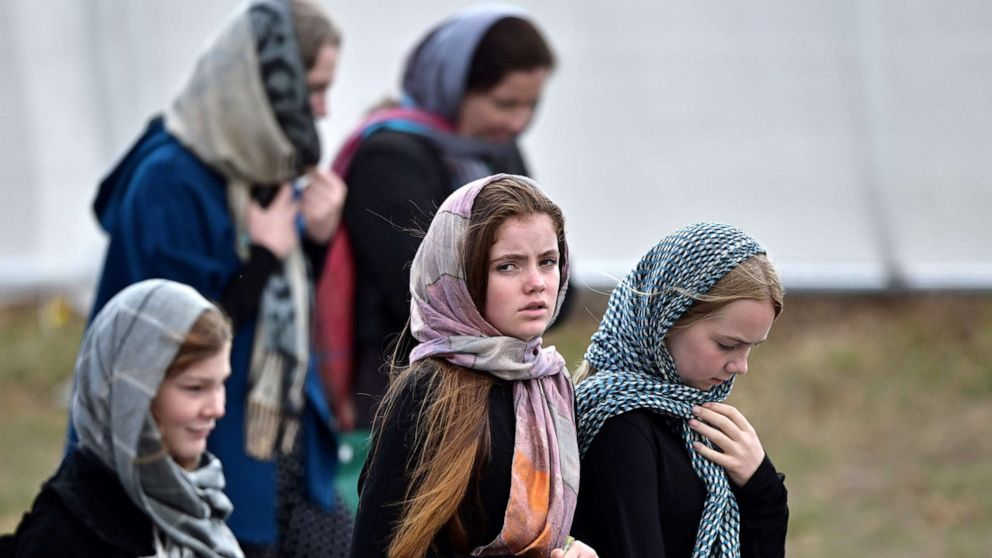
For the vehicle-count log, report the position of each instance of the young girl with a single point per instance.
(149, 388)
(474, 446)
(667, 468)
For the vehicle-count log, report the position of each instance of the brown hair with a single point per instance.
(313, 29)
(498, 201)
(511, 44)
(752, 279)
(451, 429)
(209, 334)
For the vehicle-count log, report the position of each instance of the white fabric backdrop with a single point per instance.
(851, 137)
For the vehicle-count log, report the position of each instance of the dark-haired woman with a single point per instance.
(470, 88)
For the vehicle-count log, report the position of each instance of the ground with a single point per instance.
(875, 407)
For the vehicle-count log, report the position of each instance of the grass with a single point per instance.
(874, 407)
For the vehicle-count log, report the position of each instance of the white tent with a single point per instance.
(852, 138)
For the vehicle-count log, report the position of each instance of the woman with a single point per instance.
(668, 469)
(212, 196)
(474, 448)
(149, 388)
(470, 88)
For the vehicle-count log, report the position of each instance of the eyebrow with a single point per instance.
(744, 341)
(514, 256)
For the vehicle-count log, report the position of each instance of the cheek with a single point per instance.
(495, 297)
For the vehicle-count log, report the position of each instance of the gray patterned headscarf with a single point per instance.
(245, 112)
(448, 325)
(122, 361)
(636, 371)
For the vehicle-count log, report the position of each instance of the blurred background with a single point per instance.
(852, 138)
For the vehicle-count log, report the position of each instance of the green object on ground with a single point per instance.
(353, 447)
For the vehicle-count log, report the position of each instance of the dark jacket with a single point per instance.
(81, 512)
(386, 476)
(395, 183)
(639, 496)
(166, 215)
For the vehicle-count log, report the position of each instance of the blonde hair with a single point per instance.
(752, 279)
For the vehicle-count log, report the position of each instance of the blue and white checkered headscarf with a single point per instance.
(636, 370)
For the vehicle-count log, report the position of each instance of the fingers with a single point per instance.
(723, 416)
(739, 449)
(576, 549)
(323, 201)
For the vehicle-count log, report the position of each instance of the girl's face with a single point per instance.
(503, 112)
(188, 404)
(714, 349)
(523, 276)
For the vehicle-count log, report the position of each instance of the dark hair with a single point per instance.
(313, 29)
(511, 44)
(498, 201)
(209, 334)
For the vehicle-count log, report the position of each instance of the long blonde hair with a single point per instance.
(451, 430)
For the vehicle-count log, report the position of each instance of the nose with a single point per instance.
(738, 364)
(535, 281)
(520, 119)
(215, 404)
(318, 104)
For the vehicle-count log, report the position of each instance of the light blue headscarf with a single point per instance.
(636, 371)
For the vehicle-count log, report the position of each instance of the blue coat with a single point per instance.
(166, 214)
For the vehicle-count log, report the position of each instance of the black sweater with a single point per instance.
(639, 496)
(82, 511)
(385, 478)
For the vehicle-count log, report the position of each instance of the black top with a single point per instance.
(82, 511)
(639, 496)
(396, 181)
(384, 479)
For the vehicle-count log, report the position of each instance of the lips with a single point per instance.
(201, 432)
(534, 306)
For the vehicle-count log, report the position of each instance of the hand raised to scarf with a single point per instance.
(274, 227)
(322, 202)
(740, 452)
(577, 549)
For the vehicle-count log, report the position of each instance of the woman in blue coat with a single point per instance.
(213, 195)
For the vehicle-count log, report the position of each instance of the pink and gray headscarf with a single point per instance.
(448, 325)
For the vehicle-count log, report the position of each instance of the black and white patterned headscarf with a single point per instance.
(636, 370)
